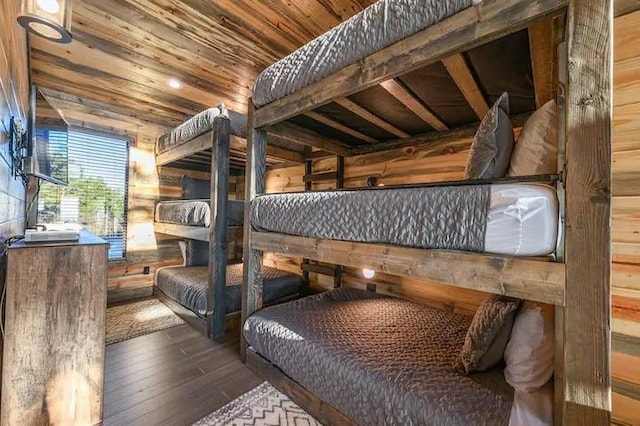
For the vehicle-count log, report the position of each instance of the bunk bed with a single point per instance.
(313, 96)
(205, 290)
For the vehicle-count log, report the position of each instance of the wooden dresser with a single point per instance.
(53, 356)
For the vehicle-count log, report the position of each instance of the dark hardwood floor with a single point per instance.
(172, 377)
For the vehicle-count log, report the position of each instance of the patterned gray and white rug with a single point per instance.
(261, 406)
(138, 318)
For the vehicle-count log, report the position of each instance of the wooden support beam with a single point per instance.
(371, 118)
(219, 212)
(472, 27)
(255, 183)
(460, 72)
(320, 177)
(542, 50)
(536, 280)
(624, 7)
(587, 314)
(339, 126)
(300, 135)
(414, 105)
(319, 269)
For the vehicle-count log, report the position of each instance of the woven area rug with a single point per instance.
(137, 319)
(261, 406)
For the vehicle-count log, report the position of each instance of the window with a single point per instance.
(96, 197)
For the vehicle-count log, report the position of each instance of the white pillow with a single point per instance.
(183, 249)
(536, 150)
(529, 355)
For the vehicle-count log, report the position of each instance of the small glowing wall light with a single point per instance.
(368, 273)
(50, 19)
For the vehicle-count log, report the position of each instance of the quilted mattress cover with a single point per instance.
(379, 360)
(509, 219)
(376, 27)
(199, 124)
(187, 285)
(196, 212)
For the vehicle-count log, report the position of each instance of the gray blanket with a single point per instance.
(187, 285)
(451, 218)
(199, 124)
(196, 212)
(378, 26)
(379, 360)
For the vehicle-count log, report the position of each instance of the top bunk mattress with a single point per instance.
(379, 360)
(378, 26)
(199, 124)
(196, 212)
(506, 219)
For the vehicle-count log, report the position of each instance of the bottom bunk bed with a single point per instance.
(184, 289)
(380, 360)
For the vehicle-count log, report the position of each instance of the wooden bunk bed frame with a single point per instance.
(578, 284)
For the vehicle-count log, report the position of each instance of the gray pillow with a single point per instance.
(195, 189)
(196, 253)
(490, 154)
(488, 334)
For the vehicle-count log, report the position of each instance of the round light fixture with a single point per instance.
(368, 273)
(50, 19)
(174, 83)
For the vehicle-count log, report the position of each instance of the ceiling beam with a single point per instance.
(460, 72)
(399, 92)
(300, 135)
(371, 118)
(339, 126)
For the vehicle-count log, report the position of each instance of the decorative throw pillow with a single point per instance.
(488, 333)
(195, 189)
(197, 253)
(529, 355)
(492, 145)
(536, 151)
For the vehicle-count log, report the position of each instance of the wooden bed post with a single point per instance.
(587, 316)
(218, 246)
(255, 178)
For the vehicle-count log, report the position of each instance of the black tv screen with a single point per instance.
(48, 154)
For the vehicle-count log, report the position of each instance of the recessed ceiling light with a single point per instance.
(174, 83)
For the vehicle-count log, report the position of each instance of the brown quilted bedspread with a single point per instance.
(379, 360)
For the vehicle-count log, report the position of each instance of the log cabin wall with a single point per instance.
(14, 100)
(626, 222)
(447, 161)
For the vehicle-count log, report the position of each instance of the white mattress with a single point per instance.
(522, 220)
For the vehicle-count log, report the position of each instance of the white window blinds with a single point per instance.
(96, 197)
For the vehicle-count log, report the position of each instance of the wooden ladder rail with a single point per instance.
(309, 178)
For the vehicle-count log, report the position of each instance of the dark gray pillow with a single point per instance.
(488, 333)
(195, 189)
(490, 154)
(196, 253)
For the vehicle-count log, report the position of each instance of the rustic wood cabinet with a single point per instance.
(53, 356)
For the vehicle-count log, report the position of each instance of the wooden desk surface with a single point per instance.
(86, 239)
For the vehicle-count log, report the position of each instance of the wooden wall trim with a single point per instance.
(587, 314)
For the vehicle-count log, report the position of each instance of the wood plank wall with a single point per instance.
(626, 222)
(446, 162)
(14, 99)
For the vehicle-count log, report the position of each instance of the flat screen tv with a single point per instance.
(47, 156)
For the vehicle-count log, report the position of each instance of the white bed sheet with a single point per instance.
(522, 220)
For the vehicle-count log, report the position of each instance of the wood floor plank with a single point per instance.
(172, 377)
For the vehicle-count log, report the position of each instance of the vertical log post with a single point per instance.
(587, 314)
(308, 186)
(255, 179)
(218, 246)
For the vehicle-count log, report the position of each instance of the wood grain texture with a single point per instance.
(401, 93)
(458, 69)
(587, 313)
(339, 126)
(542, 48)
(527, 279)
(54, 341)
(370, 117)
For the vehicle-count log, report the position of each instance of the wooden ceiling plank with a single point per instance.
(460, 72)
(371, 118)
(78, 53)
(543, 54)
(399, 92)
(339, 126)
(300, 135)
